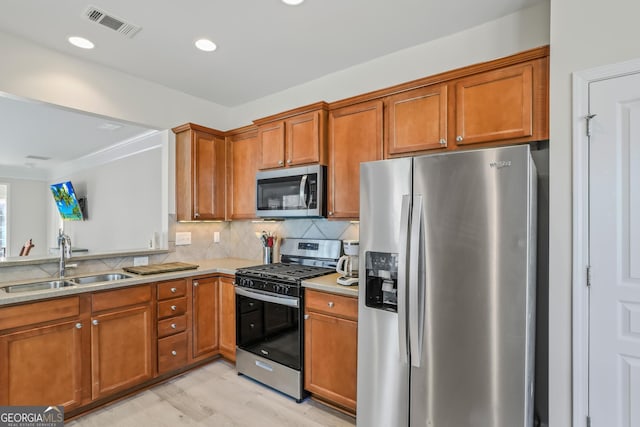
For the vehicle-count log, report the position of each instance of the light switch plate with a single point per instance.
(183, 238)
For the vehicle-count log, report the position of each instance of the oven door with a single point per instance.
(268, 325)
(290, 192)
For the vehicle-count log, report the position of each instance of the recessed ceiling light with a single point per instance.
(206, 45)
(292, 2)
(81, 42)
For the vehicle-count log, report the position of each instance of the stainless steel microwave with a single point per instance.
(291, 192)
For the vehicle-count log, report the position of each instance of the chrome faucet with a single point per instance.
(64, 245)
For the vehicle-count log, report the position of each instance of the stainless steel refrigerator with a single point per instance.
(447, 290)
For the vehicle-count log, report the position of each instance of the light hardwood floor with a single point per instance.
(213, 395)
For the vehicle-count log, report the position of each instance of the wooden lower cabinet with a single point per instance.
(331, 348)
(228, 318)
(42, 366)
(205, 317)
(121, 350)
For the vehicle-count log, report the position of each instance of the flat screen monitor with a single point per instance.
(66, 201)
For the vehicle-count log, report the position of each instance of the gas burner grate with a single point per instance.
(293, 272)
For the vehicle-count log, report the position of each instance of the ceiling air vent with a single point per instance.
(108, 20)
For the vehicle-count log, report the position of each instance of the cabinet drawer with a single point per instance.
(120, 298)
(172, 289)
(332, 304)
(172, 352)
(38, 312)
(172, 307)
(172, 325)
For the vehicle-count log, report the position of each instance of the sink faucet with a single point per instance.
(64, 245)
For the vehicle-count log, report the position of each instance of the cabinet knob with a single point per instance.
(330, 212)
(196, 283)
(331, 304)
(306, 316)
(251, 325)
(173, 326)
(173, 290)
(174, 353)
(280, 162)
(173, 308)
(289, 161)
(459, 138)
(443, 141)
(79, 325)
(95, 322)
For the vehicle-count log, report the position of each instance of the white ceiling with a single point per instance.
(264, 46)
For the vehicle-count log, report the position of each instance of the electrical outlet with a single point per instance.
(140, 260)
(183, 238)
(216, 237)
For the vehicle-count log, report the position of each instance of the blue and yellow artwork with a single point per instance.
(65, 198)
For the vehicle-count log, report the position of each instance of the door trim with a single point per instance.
(580, 228)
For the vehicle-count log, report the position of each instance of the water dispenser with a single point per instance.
(381, 280)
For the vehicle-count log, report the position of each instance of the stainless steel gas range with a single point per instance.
(270, 310)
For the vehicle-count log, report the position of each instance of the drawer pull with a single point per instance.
(78, 325)
(173, 326)
(174, 353)
(174, 290)
(174, 308)
(330, 304)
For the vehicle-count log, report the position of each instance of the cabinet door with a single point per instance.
(355, 136)
(331, 358)
(227, 318)
(121, 350)
(417, 120)
(42, 366)
(495, 105)
(209, 177)
(303, 134)
(271, 140)
(205, 318)
(243, 153)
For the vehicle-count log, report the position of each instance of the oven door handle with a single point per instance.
(288, 301)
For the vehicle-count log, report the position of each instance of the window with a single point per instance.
(3, 220)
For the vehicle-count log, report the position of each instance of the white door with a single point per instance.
(614, 252)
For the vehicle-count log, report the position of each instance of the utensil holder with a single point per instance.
(267, 255)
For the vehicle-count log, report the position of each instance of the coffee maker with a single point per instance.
(348, 263)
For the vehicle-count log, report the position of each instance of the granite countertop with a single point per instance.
(328, 284)
(209, 266)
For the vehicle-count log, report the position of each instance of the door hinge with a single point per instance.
(588, 276)
(589, 117)
(588, 421)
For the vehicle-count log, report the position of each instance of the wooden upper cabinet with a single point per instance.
(243, 155)
(355, 136)
(495, 105)
(293, 138)
(416, 120)
(200, 173)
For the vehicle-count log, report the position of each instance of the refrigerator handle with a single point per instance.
(405, 213)
(416, 305)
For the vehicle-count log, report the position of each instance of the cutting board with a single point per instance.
(160, 268)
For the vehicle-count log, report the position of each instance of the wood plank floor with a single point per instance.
(213, 395)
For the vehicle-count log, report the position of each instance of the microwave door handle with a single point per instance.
(303, 191)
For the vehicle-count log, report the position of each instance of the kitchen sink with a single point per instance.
(99, 278)
(38, 286)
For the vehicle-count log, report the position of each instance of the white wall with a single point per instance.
(27, 202)
(505, 36)
(584, 34)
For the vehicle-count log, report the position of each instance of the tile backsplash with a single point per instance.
(238, 239)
